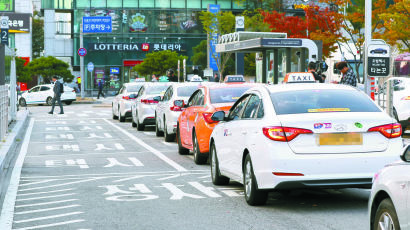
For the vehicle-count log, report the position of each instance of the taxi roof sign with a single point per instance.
(234, 78)
(299, 77)
(196, 78)
(163, 79)
(140, 79)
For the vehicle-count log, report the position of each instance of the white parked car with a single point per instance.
(302, 135)
(389, 203)
(143, 107)
(401, 99)
(168, 109)
(43, 94)
(121, 105)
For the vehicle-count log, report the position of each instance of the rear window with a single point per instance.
(227, 95)
(186, 91)
(133, 88)
(156, 89)
(321, 101)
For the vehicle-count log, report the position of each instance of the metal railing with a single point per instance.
(4, 109)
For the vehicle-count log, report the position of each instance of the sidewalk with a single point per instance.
(101, 102)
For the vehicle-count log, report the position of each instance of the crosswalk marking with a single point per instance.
(46, 197)
(47, 217)
(47, 209)
(52, 225)
(45, 203)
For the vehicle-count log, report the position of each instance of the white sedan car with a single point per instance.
(143, 108)
(168, 109)
(401, 99)
(121, 105)
(43, 94)
(389, 204)
(302, 135)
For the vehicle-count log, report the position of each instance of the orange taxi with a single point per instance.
(195, 126)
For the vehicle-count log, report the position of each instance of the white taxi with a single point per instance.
(121, 105)
(302, 135)
(299, 77)
(43, 94)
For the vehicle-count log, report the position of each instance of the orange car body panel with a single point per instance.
(192, 119)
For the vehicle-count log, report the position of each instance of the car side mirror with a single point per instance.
(133, 96)
(406, 154)
(179, 103)
(218, 116)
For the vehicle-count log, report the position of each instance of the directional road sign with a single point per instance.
(97, 25)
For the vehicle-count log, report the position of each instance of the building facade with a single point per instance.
(138, 27)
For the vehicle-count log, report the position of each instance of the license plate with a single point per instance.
(340, 139)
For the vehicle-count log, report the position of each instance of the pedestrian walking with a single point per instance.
(171, 76)
(216, 78)
(100, 89)
(312, 69)
(349, 78)
(58, 89)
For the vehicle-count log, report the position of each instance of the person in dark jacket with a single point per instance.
(57, 96)
(100, 89)
(312, 69)
(171, 76)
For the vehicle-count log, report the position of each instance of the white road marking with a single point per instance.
(37, 193)
(45, 197)
(47, 217)
(47, 209)
(209, 191)
(7, 212)
(169, 144)
(52, 225)
(58, 185)
(45, 203)
(149, 148)
(37, 182)
(149, 133)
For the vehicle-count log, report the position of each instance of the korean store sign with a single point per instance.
(136, 47)
(97, 25)
(18, 23)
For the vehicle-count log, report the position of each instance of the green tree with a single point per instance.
(199, 57)
(23, 74)
(37, 35)
(50, 66)
(159, 62)
(260, 4)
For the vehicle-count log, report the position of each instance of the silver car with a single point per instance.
(143, 108)
(168, 109)
(389, 204)
(121, 105)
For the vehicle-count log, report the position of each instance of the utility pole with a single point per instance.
(367, 41)
(82, 62)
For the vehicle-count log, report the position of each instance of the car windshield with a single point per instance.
(320, 101)
(186, 91)
(227, 95)
(133, 88)
(156, 89)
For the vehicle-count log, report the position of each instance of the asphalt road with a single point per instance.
(84, 170)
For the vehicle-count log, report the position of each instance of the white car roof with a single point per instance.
(302, 86)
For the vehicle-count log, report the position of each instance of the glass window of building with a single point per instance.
(147, 4)
(177, 3)
(98, 3)
(162, 3)
(114, 3)
(206, 2)
(130, 3)
(236, 5)
(225, 4)
(194, 4)
(83, 4)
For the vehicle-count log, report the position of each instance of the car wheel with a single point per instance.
(49, 100)
(120, 118)
(168, 137)
(113, 114)
(386, 216)
(158, 133)
(199, 158)
(217, 178)
(68, 102)
(22, 102)
(140, 127)
(181, 149)
(253, 195)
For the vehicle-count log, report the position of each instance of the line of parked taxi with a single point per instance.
(280, 137)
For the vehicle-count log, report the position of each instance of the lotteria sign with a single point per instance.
(135, 46)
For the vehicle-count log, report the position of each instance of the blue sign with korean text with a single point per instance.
(114, 70)
(97, 25)
(213, 55)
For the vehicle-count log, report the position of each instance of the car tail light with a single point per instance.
(207, 118)
(406, 98)
(285, 134)
(125, 97)
(389, 130)
(175, 108)
(149, 101)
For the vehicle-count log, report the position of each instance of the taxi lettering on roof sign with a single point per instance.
(234, 78)
(299, 77)
(196, 78)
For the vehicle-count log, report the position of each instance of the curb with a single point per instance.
(87, 102)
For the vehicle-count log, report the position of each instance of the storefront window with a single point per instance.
(162, 4)
(114, 3)
(206, 2)
(177, 3)
(98, 3)
(83, 4)
(147, 4)
(225, 4)
(193, 4)
(130, 4)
